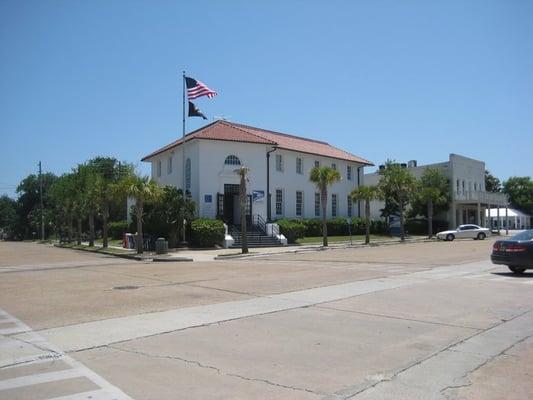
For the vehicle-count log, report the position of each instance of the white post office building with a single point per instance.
(204, 163)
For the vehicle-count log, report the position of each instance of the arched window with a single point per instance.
(232, 160)
(188, 174)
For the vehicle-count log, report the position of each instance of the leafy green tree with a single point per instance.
(166, 217)
(397, 185)
(88, 181)
(366, 194)
(243, 174)
(8, 216)
(323, 177)
(144, 191)
(492, 184)
(433, 190)
(520, 192)
(29, 202)
(109, 172)
(64, 193)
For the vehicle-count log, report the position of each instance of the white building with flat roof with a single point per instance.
(469, 200)
(204, 163)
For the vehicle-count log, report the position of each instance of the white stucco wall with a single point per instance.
(290, 182)
(213, 174)
(458, 168)
(467, 170)
(209, 174)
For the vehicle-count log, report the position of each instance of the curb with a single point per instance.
(136, 257)
(309, 249)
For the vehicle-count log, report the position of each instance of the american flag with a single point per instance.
(197, 89)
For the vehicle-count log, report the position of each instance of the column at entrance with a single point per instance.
(506, 220)
(498, 218)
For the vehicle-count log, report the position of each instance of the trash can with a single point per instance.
(161, 246)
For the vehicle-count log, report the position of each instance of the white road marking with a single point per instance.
(92, 395)
(39, 378)
(104, 332)
(495, 277)
(34, 349)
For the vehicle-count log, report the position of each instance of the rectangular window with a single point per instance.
(279, 202)
(349, 201)
(317, 164)
(299, 165)
(169, 165)
(349, 172)
(317, 204)
(333, 205)
(299, 203)
(279, 163)
(334, 166)
(159, 168)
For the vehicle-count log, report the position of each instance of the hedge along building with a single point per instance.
(205, 160)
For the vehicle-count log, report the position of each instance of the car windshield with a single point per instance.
(526, 235)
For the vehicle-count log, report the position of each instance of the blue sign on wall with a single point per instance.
(208, 198)
(258, 195)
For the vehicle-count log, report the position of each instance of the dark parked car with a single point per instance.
(516, 252)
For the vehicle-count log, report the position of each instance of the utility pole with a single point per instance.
(41, 194)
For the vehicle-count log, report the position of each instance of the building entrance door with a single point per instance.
(228, 207)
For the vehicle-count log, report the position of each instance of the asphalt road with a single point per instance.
(413, 321)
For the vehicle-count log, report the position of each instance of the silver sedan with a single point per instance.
(464, 232)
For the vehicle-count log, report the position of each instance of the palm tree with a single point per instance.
(366, 194)
(63, 193)
(172, 209)
(144, 191)
(397, 185)
(88, 190)
(110, 171)
(243, 173)
(323, 177)
(433, 190)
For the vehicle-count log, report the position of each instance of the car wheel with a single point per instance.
(517, 270)
(450, 237)
(481, 236)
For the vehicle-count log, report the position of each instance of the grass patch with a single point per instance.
(338, 239)
(111, 242)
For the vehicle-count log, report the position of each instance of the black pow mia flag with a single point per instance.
(195, 111)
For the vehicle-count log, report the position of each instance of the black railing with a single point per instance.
(275, 230)
(259, 222)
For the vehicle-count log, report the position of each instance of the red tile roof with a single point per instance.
(234, 132)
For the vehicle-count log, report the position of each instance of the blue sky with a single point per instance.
(381, 79)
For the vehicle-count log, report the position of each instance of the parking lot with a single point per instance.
(423, 320)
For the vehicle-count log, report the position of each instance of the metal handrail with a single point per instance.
(257, 220)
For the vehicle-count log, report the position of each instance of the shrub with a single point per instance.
(117, 229)
(292, 229)
(419, 226)
(378, 227)
(337, 226)
(313, 226)
(207, 232)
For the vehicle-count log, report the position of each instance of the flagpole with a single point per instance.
(183, 133)
(183, 139)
